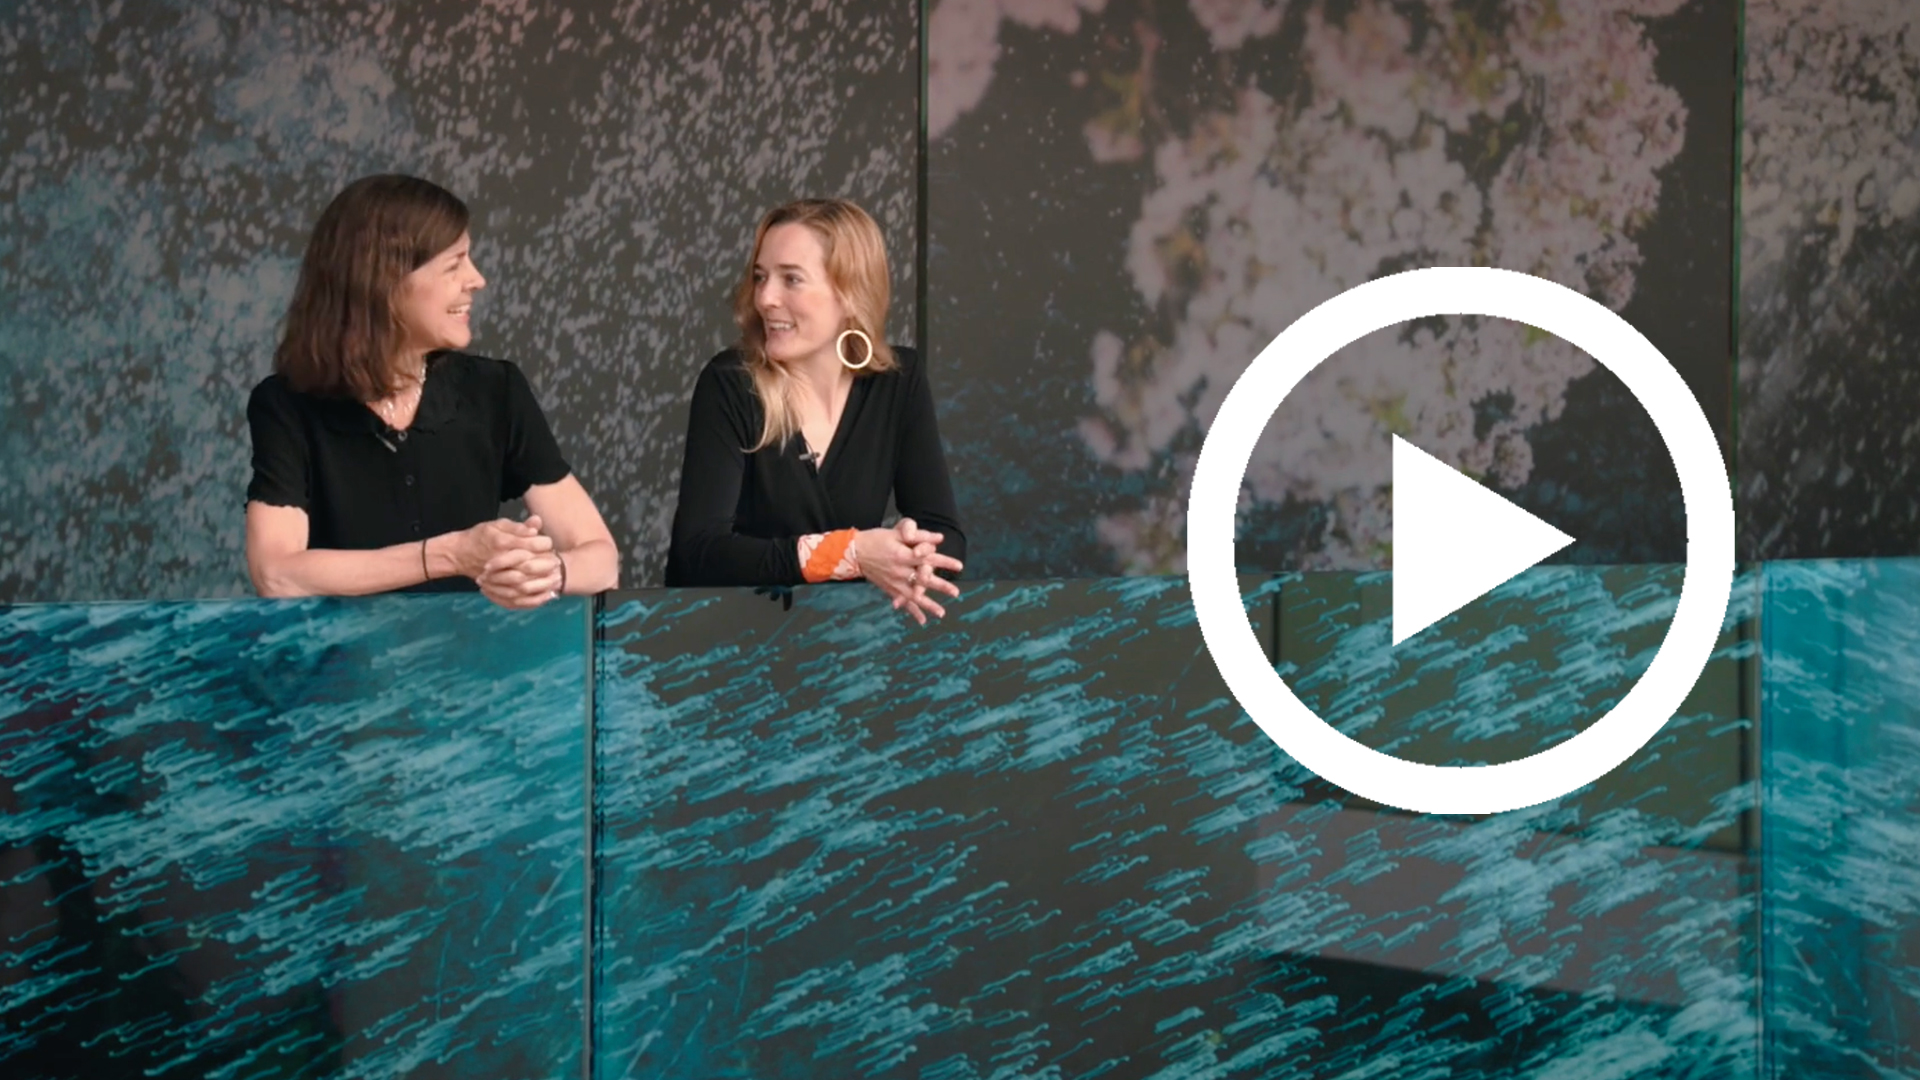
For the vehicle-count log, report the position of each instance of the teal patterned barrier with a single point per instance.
(1841, 868)
(314, 839)
(352, 839)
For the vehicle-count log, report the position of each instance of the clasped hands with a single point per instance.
(516, 567)
(902, 562)
(513, 562)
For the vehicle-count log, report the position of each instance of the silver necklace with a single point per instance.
(389, 406)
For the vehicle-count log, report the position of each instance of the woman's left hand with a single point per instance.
(521, 579)
(894, 566)
(925, 546)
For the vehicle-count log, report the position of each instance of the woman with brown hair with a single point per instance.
(798, 435)
(381, 454)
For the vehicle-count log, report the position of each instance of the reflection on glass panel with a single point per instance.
(1527, 667)
(1042, 837)
(832, 844)
(1607, 930)
(278, 839)
(1842, 798)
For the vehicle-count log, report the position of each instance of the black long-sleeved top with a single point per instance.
(741, 514)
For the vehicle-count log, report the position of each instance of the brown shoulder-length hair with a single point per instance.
(341, 338)
(856, 258)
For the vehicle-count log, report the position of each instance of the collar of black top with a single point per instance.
(439, 403)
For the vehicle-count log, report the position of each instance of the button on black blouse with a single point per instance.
(478, 439)
(740, 515)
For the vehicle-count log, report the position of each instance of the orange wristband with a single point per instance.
(829, 556)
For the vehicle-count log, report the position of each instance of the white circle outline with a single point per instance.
(1272, 704)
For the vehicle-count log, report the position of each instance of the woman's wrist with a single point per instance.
(437, 555)
(833, 556)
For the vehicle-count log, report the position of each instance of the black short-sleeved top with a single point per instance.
(741, 514)
(477, 440)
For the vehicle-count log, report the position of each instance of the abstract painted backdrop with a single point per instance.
(163, 163)
(1142, 194)
(1123, 200)
(1829, 316)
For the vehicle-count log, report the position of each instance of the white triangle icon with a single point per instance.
(1453, 540)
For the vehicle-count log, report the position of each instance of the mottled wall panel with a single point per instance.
(1040, 839)
(243, 840)
(162, 163)
(1128, 199)
(1829, 318)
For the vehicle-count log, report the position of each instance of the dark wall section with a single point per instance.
(163, 163)
(1144, 194)
(1830, 220)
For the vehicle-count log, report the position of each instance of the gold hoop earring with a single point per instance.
(841, 353)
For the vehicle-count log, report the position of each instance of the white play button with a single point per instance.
(1453, 540)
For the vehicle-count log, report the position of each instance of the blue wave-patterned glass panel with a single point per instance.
(1041, 839)
(1842, 862)
(306, 839)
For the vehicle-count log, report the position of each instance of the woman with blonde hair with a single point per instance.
(798, 435)
(381, 451)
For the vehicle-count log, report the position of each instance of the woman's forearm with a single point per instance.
(334, 572)
(714, 556)
(592, 567)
